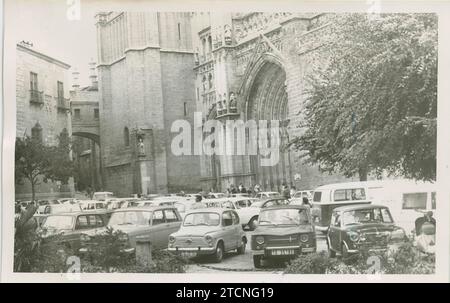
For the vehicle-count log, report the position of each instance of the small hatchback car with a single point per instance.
(366, 227)
(209, 231)
(283, 231)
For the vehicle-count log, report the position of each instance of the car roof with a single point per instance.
(358, 207)
(150, 208)
(344, 185)
(208, 210)
(86, 212)
(289, 206)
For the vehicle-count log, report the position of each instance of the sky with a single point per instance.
(52, 32)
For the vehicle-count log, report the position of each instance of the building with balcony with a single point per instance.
(42, 109)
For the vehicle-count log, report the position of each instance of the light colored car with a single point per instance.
(103, 196)
(216, 195)
(156, 223)
(209, 231)
(92, 205)
(249, 215)
(241, 205)
(267, 195)
(43, 203)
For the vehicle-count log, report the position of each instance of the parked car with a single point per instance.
(92, 205)
(303, 194)
(209, 231)
(56, 209)
(215, 195)
(41, 204)
(267, 195)
(240, 205)
(328, 197)
(73, 228)
(155, 222)
(250, 214)
(283, 232)
(362, 227)
(103, 196)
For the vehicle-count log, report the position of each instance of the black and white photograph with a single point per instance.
(225, 140)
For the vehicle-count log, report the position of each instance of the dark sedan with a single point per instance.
(362, 227)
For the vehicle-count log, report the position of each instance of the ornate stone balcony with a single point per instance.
(36, 97)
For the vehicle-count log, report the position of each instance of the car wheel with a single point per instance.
(252, 223)
(257, 260)
(218, 254)
(241, 249)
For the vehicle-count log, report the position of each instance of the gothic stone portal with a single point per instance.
(267, 100)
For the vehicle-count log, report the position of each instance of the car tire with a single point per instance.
(218, 254)
(241, 249)
(252, 223)
(257, 261)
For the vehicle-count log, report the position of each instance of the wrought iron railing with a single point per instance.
(36, 96)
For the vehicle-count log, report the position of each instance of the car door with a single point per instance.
(228, 230)
(237, 229)
(173, 221)
(158, 234)
(334, 231)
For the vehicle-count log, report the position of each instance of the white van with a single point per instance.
(407, 199)
(328, 197)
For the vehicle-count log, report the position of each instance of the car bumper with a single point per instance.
(192, 250)
(129, 250)
(283, 251)
(321, 228)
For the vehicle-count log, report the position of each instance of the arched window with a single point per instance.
(36, 132)
(126, 136)
(204, 83)
(210, 43)
(210, 82)
(204, 47)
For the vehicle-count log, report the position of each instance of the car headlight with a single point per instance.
(397, 234)
(85, 238)
(362, 237)
(354, 236)
(209, 240)
(304, 238)
(171, 239)
(259, 240)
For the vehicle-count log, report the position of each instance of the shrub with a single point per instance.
(315, 263)
(406, 259)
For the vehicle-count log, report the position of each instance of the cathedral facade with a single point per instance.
(156, 68)
(252, 66)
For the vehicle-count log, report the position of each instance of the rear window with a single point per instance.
(349, 194)
(415, 201)
(317, 196)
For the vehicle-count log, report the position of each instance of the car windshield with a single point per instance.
(286, 216)
(58, 222)
(197, 219)
(270, 195)
(131, 218)
(371, 215)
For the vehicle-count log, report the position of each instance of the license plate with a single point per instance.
(282, 252)
(188, 254)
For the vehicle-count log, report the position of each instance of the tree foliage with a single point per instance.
(37, 162)
(372, 106)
